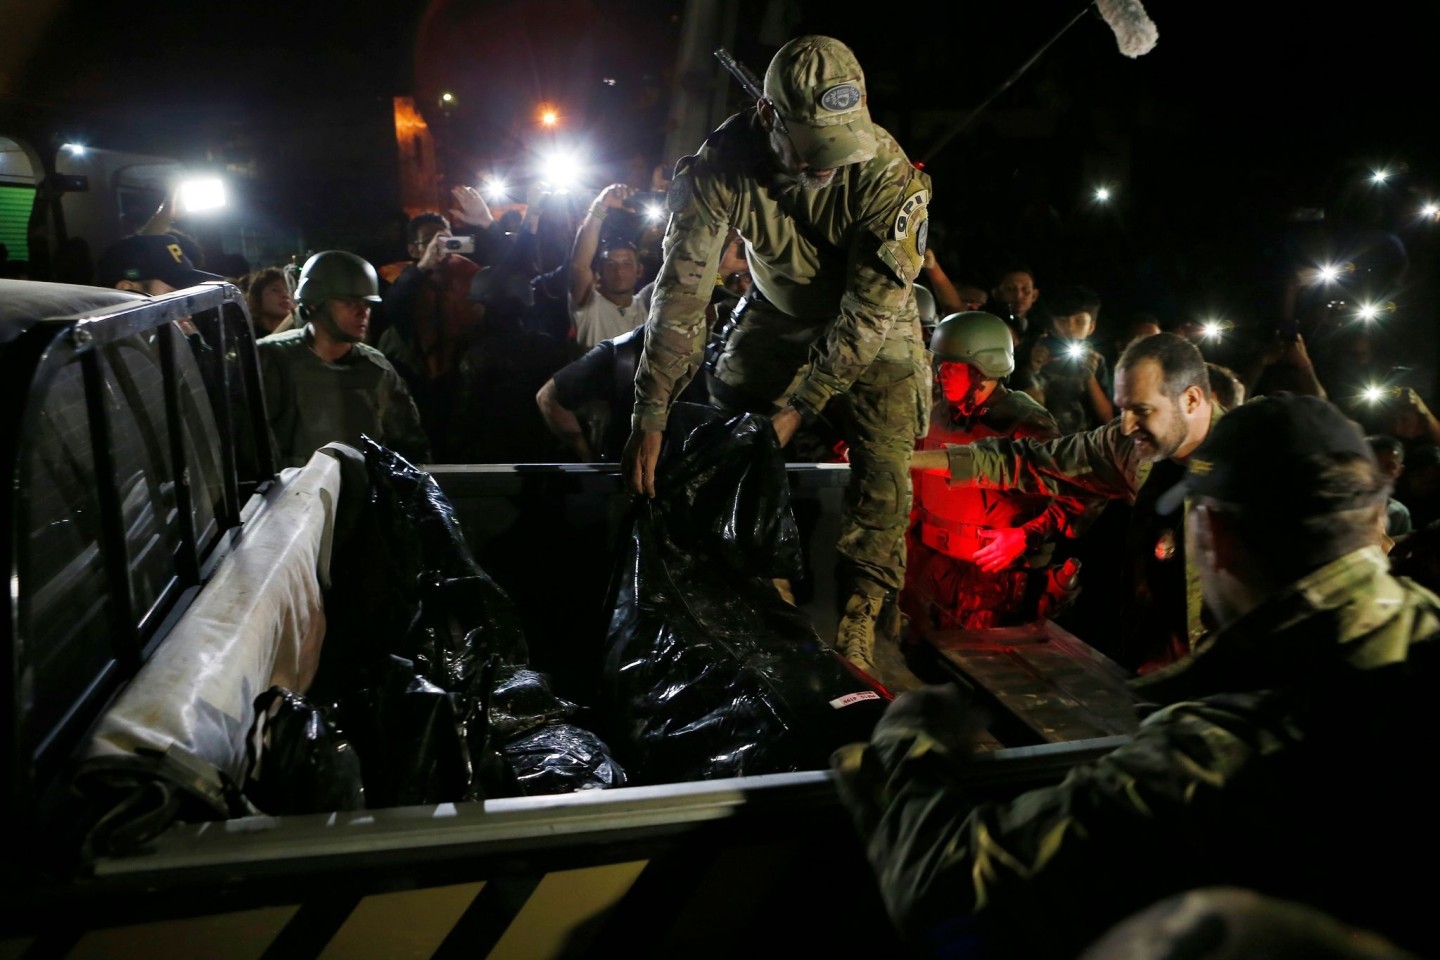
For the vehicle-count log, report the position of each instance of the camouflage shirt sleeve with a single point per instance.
(700, 203)
(1064, 515)
(1100, 463)
(887, 250)
(953, 868)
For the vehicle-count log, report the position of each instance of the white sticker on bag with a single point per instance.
(851, 699)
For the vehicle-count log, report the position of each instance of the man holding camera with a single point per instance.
(833, 216)
(428, 303)
(602, 289)
(431, 322)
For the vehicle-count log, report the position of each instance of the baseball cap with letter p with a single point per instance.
(141, 257)
(818, 89)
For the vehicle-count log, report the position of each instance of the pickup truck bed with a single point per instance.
(139, 480)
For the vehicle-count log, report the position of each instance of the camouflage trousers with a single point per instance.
(766, 356)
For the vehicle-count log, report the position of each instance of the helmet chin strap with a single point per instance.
(321, 316)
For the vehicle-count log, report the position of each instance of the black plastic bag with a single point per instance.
(455, 630)
(561, 758)
(708, 672)
(299, 761)
(427, 703)
(449, 604)
(412, 739)
(522, 700)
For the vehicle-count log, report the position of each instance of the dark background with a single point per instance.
(1225, 145)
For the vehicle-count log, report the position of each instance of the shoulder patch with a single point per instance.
(682, 189)
(902, 247)
(911, 221)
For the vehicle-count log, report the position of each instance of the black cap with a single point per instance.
(146, 256)
(1257, 456)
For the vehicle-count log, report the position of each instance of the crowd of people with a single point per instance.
(518, 337)
(1224, 512)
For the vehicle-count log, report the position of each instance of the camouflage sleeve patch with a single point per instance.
(903, 251)
(682, 189)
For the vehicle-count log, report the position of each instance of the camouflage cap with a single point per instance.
(819, 91)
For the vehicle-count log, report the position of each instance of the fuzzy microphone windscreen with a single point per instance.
(1134, 30)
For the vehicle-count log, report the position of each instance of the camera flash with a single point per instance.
(202, 194)
(1212, 329)
(1075, 351)
(1372, 394)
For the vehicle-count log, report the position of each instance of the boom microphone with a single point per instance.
(1135, 32)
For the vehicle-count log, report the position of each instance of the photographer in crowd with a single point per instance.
(603, 276)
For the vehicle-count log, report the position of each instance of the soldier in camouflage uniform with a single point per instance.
(1162, 390)
(977, 557)
(833, 216)
(1289, 755)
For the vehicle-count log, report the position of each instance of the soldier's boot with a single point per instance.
(855, 635)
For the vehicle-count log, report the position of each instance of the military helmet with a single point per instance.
(336, 275)
(977, 338)
(925, 302)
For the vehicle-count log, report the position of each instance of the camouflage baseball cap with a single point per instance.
(819, 91)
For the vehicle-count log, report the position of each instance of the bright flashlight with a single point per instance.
(560, 171)
(1430, 210)
(1329, 273)
(1372, 311)
(1075, 351)
(1373, 394)
(205, 193)
(654, 213)
(1212, 329)
(447, 97)
(495, 188)
(1380, 176)
(1102, 194)
(74, 149)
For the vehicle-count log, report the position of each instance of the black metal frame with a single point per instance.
(30, 364)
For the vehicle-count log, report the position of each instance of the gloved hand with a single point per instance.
(926, 732)
(944, 713)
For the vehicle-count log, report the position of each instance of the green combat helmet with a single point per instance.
(925, 303)
(336, 275)
(977, 338)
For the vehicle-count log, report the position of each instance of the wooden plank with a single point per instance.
(1054, 684)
